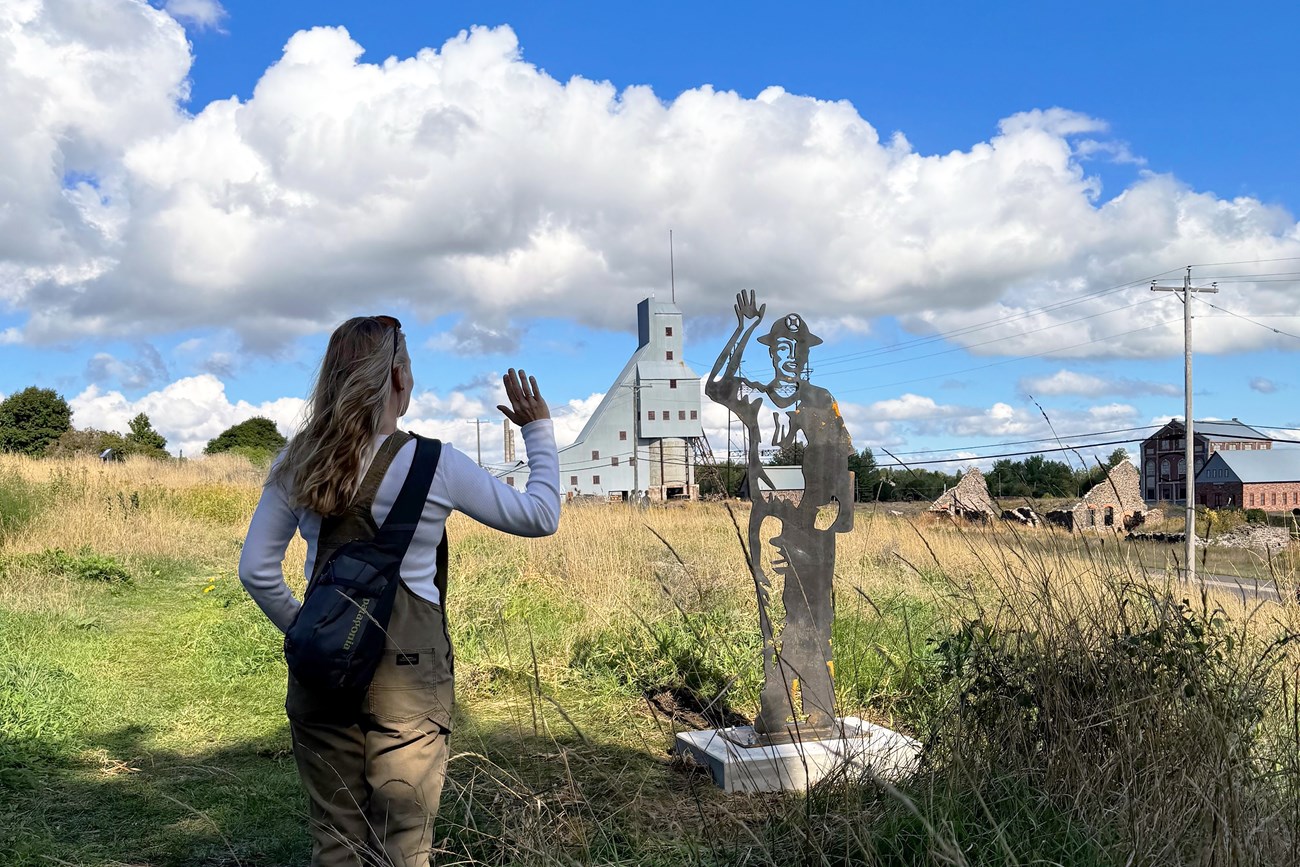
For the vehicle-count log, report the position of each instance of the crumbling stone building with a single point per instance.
(969, 499)
(1116, 502)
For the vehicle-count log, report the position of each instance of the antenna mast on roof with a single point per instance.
(672, 271)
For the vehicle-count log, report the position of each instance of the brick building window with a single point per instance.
(622, 435)
(573, 481)
(595, 480)
(1252, 499)
(595, 455)
(668, 356)
(1275, 499)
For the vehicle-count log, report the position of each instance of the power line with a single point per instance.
(989, 323)
(1242, 262)
(971, 346)
(1248, 319)
(1009, 360)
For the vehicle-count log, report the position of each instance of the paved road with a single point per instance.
(1247, 587)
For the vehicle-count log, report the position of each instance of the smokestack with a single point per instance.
(508, 435)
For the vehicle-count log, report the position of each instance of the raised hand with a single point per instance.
(526, 402)
(745, 309)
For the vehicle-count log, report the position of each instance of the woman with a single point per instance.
(373, 764)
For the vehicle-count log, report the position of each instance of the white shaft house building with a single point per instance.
(646, 436)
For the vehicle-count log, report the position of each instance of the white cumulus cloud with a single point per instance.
(188, 412)
(465, 179)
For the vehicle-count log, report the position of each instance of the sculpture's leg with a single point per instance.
(775, 706)
(806, 638)
(817, 654)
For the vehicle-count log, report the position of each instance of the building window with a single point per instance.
(631, 462)
(595, 480)
(1252, 499)
(668, 332)
(694, 415)
(672, 383)
(622, 435)
(681, 415)
(1092, 517)
(1275, 499)
(595, 455)
(613, 462)
(1109, 517)
(1165, 470)
(1182, 468)
(652, 415)
(573, 481)
(510, 480)
(668, 355)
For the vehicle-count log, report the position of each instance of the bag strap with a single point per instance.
(379, 468)
(356, 521)
(399, 525)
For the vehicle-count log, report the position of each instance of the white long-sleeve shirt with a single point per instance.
(459, 484)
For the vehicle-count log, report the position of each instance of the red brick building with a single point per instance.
(1164, 458)
(1268, 480)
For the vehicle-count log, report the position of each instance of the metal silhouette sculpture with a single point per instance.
(798, 667)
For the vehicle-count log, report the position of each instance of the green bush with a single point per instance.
(258, 434)
(1256, 516)
(82, 566)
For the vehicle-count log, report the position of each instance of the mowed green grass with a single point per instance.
(148, 728)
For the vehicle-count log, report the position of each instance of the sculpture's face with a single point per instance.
(785, 359)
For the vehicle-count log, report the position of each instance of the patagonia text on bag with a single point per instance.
(337, 640)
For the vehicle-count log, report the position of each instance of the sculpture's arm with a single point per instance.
(722, 385)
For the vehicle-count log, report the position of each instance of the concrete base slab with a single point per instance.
(741, 761)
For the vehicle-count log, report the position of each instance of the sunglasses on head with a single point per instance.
(390, 322)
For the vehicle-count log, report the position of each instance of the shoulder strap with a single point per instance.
(356, 521)
(399, 526)
(365, 495)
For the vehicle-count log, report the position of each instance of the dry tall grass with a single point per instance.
(1065, 670)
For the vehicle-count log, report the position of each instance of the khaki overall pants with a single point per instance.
(373, 762)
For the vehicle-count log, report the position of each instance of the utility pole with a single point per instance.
(636, 437)
(1189, 476)
(478, 434)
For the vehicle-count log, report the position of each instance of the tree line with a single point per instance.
(38, 422)
(1034, 477)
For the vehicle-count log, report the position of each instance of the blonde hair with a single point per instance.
(325, 461)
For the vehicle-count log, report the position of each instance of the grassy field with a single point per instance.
(1078, 706)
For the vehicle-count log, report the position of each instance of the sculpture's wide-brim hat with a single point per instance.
(792, 327)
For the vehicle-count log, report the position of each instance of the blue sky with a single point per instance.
(967, 202)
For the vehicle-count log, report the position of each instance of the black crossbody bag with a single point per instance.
(337, 640)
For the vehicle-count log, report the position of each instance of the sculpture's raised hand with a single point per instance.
(745, 309)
